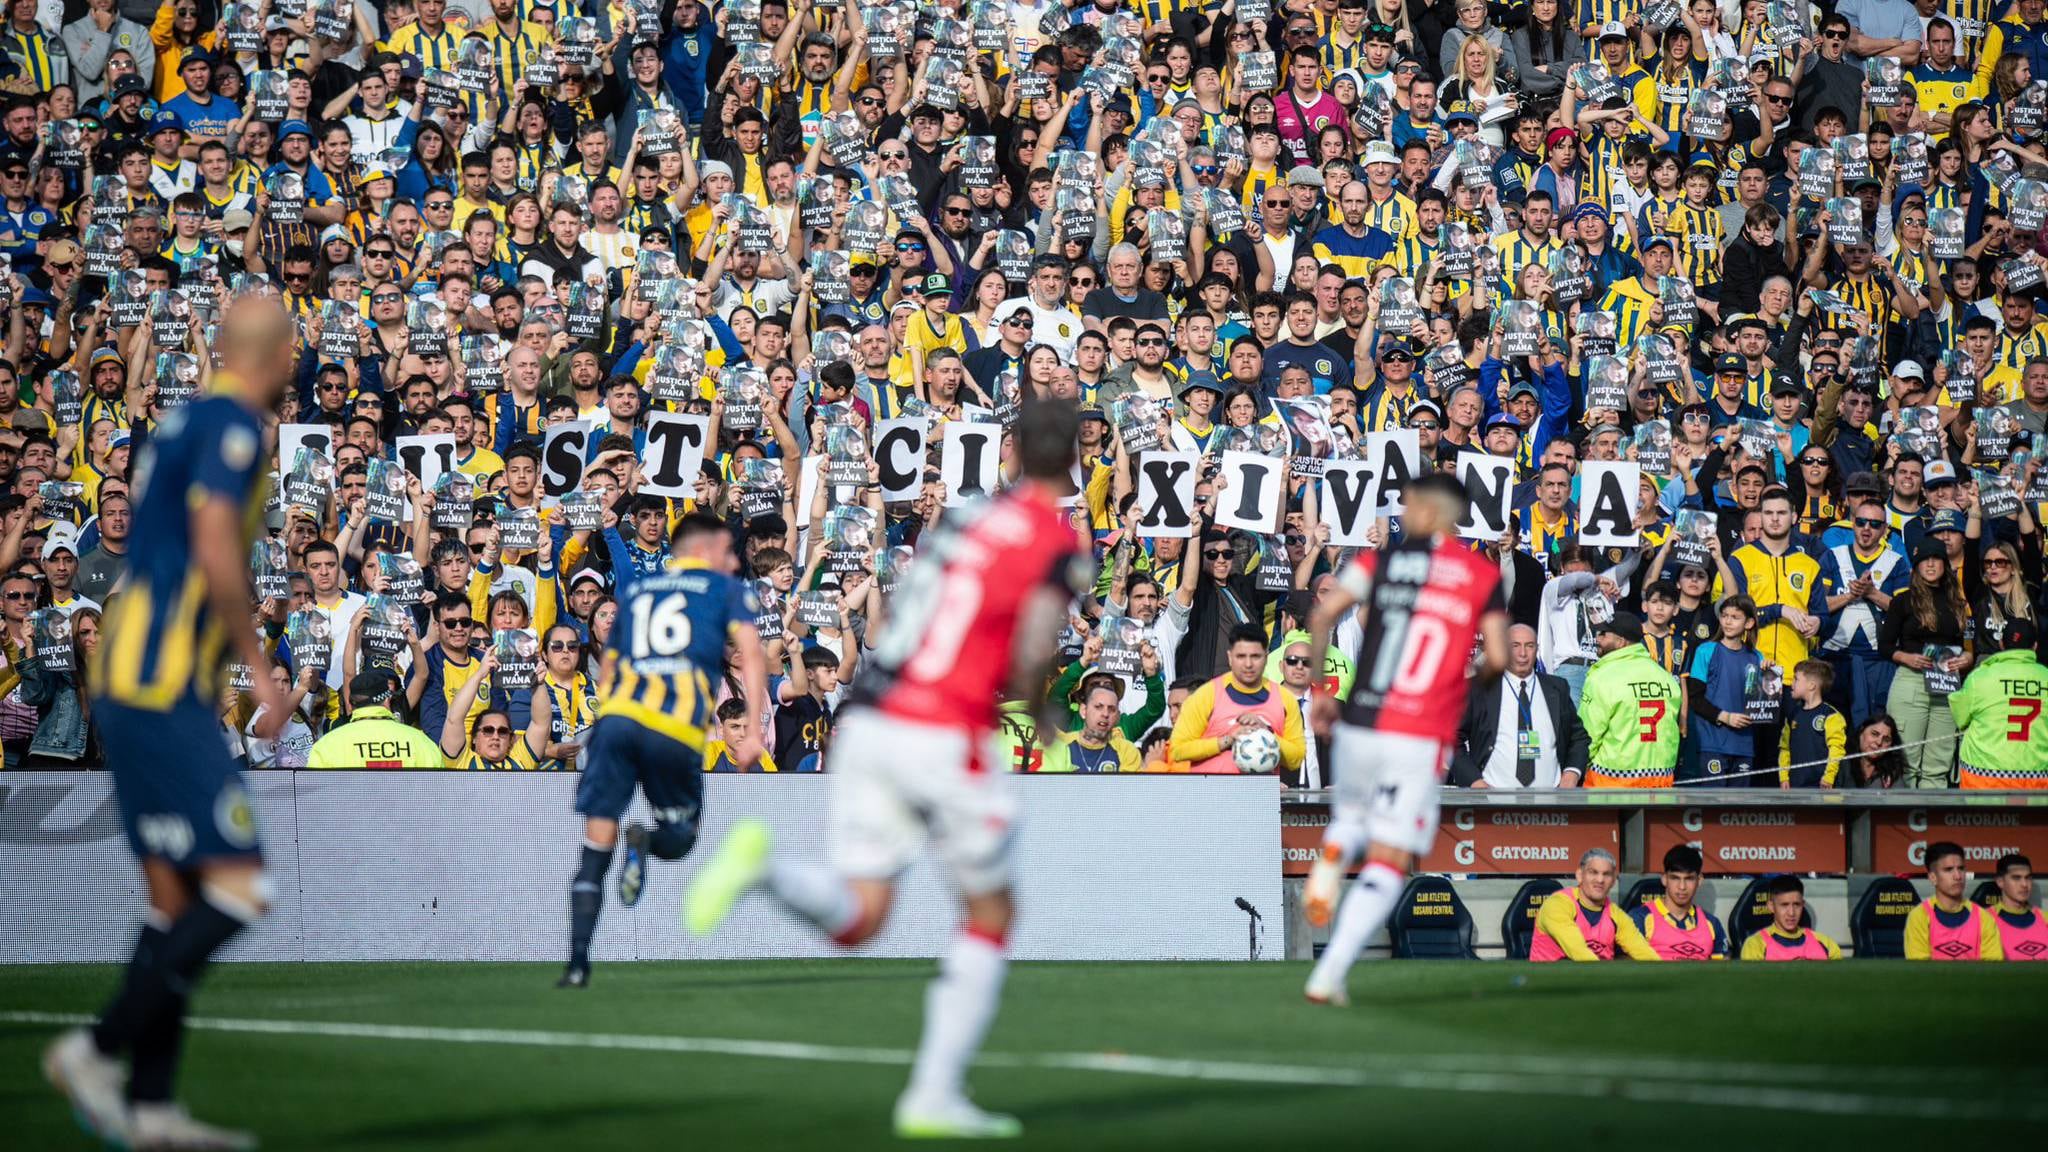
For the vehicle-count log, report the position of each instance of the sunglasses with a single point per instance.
(869, 101)
(1425, 426)
(493, 730)
(1997, 562)
(893, 155)
(1777, 99)
(1158, 79)
(297, 276)
(1295, 661)
(909, 247)
(1215, 553)
(1084, 282)
(1868, 522)
(952, 211)
(21, 595)
(1021, 320)
(450, 624)
(562, 646)
(1151, 342)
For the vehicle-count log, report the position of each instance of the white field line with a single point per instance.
(1567, 1076)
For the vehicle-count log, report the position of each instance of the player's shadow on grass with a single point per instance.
(469, 1128)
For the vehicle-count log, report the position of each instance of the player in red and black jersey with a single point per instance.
(1425, 599)
(915, 755)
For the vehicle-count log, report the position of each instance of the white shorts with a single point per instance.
(897, 782)
(1389, 782)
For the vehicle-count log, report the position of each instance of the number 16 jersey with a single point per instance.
(1424, 600)
(669, 638)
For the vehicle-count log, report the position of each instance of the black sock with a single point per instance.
(151, 1004)
(672, 841)
(119, 1024)
(586, 900)
(154, 1063)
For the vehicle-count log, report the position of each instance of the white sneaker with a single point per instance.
(1334, 995)
(169, 1128)
(955, 1118)
(94, 1083)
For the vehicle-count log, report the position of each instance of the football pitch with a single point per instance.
(810, 1055)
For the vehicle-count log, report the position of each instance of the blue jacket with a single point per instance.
(684, 57)
(62, 730)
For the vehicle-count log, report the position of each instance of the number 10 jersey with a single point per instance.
(1425, 600)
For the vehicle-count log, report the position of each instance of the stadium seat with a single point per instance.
(1518, 926)
(1431, 923)
(1878, 926)
(1986, 893)
(1751, 912)
(1640, 892)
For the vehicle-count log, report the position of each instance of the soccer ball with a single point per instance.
(1256, 750)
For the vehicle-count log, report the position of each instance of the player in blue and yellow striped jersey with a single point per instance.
(655, 714)
(198, 493)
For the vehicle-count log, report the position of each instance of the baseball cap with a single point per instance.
(1523, 388)
(1786, 386)
(1946, 520)
(61, 252)
(1380, 152)
(936, 284)
(1730, 362)
(372, 689)
(1939, 472)
(166, 121)
(1658, 240)
(1745, 320)
(293, 128)
(1928, 548)
(1397, 349)
(197, 56)
(1459, 110)
(1861, 482)
(1613, 30)
(236, 220)
(130, 84)
(106, 356)
(59, 542)
(1909, 370)
(119, 442)
(1303, 174)
(587, 576)
(1625, 625)
(1503, 420)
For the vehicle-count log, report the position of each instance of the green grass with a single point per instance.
(1571, 1056)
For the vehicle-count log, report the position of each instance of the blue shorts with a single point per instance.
(180, 791)
(622, 754)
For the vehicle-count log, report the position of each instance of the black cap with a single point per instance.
(2013, 633)
(373, 688)
(1625, 625)
(1730, 362)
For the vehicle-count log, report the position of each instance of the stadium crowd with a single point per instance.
(1726, 314)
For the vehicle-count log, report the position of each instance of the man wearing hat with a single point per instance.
(204, 113)
(1615, 48)
(374, 737)
(323, 207)
(1013, 323)
(1633, 299)
(1305, 190)
(170, 174)
(1386, 209)
(1630, 708)
(1390, 393)
(60, 568)
(1729, 403)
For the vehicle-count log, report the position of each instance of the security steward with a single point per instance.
(373, 737)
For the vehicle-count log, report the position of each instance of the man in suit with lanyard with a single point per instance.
(1521, 732)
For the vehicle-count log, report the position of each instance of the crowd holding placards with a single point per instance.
(1725, 315)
